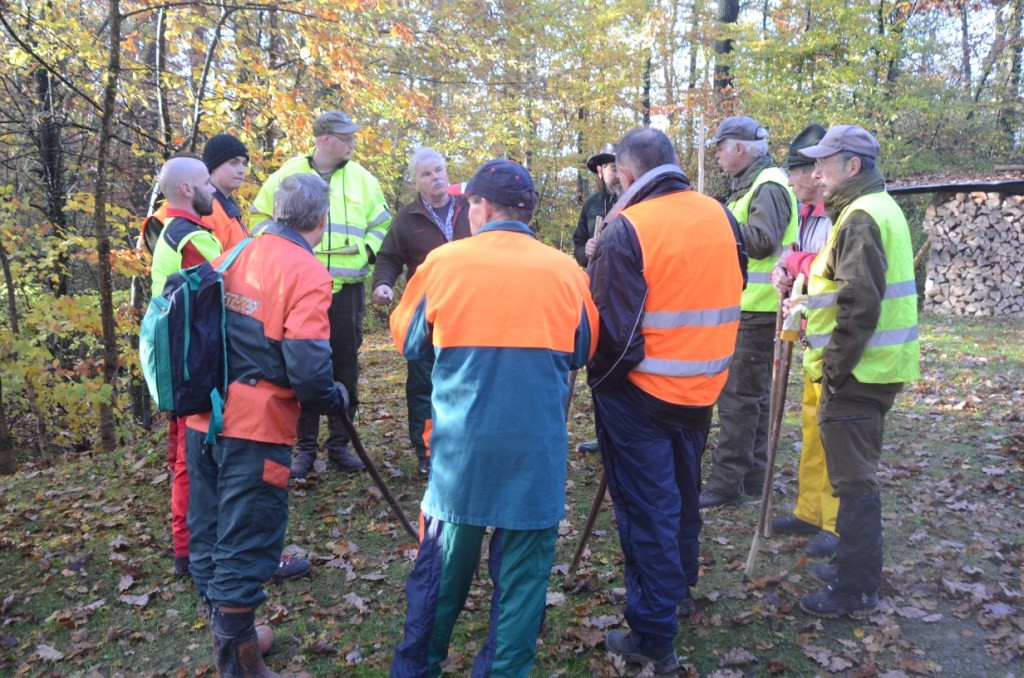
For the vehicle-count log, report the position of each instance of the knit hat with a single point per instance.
(221, 148)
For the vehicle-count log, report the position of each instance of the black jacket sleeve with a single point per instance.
(619, 289)
(580, 237)
(390, 260)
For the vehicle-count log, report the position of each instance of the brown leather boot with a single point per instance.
(236, 649)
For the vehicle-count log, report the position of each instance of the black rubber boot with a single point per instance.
(236, 649)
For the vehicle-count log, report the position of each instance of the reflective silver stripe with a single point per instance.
(262, 225)
(381, 218)
(711, 317)
(346, 229)
(757, 277)
(683, 368)
(906, 288)
(337, 272)
(895, 337)
(375, 234)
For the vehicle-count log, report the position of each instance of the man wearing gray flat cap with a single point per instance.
(764, 205)
(357, 220)
(862, 346)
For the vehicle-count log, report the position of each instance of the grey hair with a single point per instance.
(644, 149)
(421, 156)
(754, 149)
(867, 163)
(301, 202)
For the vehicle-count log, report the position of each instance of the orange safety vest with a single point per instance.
(692, 310)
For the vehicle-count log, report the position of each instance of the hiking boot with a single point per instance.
(832, 603)
(823, 545)
(588, 447)
(790, 524)
(826, 573)
(345, 459)
(291, 567)
(180, 566)
(753, 489)
(627, 645)
(236, 649)
(423, 467)
(302, 462)
(710, 499)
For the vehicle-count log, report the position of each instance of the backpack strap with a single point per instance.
(216, 399)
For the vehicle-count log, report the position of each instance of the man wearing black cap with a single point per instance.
(591, 216)
(763, 204)
(504, 318)
(862, 346)
(357, 221)
(597, 205)
(227, 158)
(815, 511)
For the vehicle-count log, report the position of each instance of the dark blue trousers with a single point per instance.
(653, 472)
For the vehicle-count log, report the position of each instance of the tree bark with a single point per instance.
(107, 409)
(8, 458)
(728, 13)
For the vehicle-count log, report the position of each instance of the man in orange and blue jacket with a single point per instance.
(279, 357)
(504, 318)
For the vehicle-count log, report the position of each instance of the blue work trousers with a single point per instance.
(653, 472)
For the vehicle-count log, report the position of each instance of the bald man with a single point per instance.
(185, 241)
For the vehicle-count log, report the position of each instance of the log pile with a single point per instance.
(976, 265)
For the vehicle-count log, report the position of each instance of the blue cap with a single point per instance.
(504, 182)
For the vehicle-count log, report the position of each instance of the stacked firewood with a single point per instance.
(976, 265)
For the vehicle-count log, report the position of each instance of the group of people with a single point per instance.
(673, 314)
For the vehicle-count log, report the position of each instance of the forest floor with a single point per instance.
(87, 586)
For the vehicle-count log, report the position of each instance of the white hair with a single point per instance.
(753, 149)
(421, 156)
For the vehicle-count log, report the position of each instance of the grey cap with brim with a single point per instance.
(334, 122)
(738, 127)
(841, 138)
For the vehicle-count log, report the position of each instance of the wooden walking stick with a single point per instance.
(780, 381)
(588, 528)
(385, 492)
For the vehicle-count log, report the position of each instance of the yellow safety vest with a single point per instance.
(893, 352)
(759, 294)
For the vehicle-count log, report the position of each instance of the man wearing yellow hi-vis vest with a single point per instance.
(862, 345)
(357, 220)
(765, 208)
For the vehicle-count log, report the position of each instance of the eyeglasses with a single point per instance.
(346, 138)
(821, 162)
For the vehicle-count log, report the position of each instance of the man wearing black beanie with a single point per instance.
(227, 158)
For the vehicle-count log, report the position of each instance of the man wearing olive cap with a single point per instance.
(762, 202)
(357, 220)
(504, 318)
(862, 346)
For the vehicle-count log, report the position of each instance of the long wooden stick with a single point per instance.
(588, 528)
(385, 492)
(780, 380)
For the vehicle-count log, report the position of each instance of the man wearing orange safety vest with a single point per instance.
(666, 275)
(762, 202)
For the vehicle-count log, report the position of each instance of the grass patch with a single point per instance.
(88, 585)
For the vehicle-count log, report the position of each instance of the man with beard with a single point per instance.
(593, 212)
(186, 240)
(432, 219)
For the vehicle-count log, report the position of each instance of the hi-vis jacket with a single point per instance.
(278, 339)
(759, 295)
(185, 240)
(358, 218)
(862, 296)
(667, 278)
(504, 318)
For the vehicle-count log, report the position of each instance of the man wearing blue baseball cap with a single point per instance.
(862, 346)
(503, 318)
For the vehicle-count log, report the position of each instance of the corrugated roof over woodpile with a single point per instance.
(991, 182)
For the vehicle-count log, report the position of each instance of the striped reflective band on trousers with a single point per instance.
(901, 335)
(665, 320)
